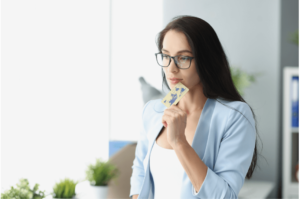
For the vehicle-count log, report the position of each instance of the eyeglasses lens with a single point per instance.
(164, 60)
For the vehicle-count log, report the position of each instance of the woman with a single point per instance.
(204, 146)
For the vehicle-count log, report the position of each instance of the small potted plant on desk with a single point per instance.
(99, 175)
(64, 189)
(23, 191)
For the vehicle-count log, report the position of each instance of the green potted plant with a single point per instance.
(242, 79)
(99, 175)
(23, 191)
(64, 189)
(294, 37)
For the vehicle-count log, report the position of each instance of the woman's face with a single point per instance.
(173, 43)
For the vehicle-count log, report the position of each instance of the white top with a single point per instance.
(167, 172)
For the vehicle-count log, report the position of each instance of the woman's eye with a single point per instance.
(183, 58)
(166, 56)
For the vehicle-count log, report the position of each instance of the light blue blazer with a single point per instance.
(224, 140)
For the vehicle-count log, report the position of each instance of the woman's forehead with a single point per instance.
(175, 41)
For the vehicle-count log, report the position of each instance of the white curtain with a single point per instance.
(55, 94)
(135, 25)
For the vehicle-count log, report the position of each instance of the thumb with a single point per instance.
(165, 124)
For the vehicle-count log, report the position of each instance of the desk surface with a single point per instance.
(250, 189)
(256, 189)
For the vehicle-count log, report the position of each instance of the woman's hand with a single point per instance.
(135, 196)
(174, 119)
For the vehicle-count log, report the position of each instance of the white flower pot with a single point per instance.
(51, 197)
(63, 198)
(98, 192)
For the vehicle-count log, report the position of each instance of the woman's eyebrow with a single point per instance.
(181, 51)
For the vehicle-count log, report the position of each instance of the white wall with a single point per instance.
(250, 34)
(135, 25)
(55, 67)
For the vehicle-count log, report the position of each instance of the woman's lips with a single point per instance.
(175, 81)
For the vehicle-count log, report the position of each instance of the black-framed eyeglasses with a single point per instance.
(181, 61)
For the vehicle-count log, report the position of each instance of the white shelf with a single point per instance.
(290, 187)
(295, 130)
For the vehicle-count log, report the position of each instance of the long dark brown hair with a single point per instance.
(211, 63)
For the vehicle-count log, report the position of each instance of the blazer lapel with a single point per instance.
(151, 135)
(203, 128)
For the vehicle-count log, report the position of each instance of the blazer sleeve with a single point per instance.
(138, 172)
(236, 150)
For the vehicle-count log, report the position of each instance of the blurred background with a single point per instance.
(76, 74)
